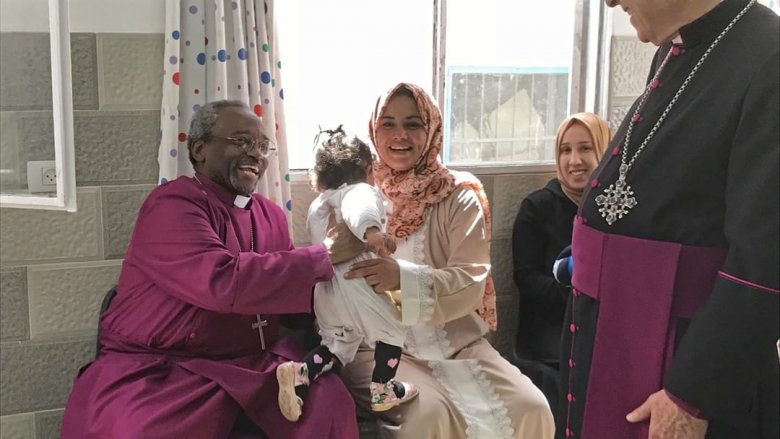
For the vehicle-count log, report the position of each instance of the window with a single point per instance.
(507, 79)
(500, 70)
(20, 182)
(338, 56)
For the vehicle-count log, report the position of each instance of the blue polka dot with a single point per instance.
(289, 205)
(201, 58)
(228, 57)
(174, 152)
(266, 101)
(281, 93)
(265, 77)
(173, 60)
(173, 117)
(233, 5)
(196, 107)
(242, 53)
(175, 34)
(193, 9)
(163, 180)
(222, 55)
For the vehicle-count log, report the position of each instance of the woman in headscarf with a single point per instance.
(441, 222)
(542, 229)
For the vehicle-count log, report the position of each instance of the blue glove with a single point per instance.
(563, 268)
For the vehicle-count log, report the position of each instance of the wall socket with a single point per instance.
(41, 176)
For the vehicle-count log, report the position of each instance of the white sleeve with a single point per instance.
(361, 208)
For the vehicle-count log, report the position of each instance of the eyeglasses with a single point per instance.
(264, 146)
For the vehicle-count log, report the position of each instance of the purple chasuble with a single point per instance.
(180, 356)
(642, 287)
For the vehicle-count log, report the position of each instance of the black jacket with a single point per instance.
(542, 229)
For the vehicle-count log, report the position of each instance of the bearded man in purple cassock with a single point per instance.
(191, 341)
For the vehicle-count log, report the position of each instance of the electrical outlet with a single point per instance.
(41, 176)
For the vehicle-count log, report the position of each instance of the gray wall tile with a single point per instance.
(302, 196)
(487, 183)
(120, 211)
(36, 133)
(508, 191)
(131, 70)
(112, 147)
(25, 69)
(38, 236)
(65, 298)
(630, 62)
(83, 55)
(17, 426)
(47, 424)
(13, 304)
(38, 376)
(9, 150)
(116, 147)
(501, 264)
(617, 113)
(25, 80)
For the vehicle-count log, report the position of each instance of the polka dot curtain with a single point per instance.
(222, 49)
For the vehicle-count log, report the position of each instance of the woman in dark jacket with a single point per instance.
(542, 229)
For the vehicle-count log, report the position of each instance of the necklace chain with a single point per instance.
(617, 199)
(260, 323)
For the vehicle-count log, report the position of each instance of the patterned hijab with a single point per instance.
(427, 183)
(599, 132)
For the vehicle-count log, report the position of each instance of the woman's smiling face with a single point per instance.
(400, 133)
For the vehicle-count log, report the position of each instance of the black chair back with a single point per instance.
(103, 307)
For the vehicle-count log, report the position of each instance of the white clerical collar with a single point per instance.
(241, 201)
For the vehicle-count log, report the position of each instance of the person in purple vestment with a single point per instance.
(191, 342)
(675, 310)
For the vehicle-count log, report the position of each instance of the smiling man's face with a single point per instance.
(224, 161)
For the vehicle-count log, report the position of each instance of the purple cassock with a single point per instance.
(681, 292)
(202, 289)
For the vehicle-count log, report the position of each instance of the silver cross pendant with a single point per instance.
(259, 324)
(616, 200)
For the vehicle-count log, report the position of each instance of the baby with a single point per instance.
(348, 311)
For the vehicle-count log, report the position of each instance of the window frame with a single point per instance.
(62, 111)
(588, 78)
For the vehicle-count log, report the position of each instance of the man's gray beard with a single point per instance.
(235, 182)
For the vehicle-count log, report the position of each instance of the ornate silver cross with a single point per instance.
(616, 199)
(259, 326)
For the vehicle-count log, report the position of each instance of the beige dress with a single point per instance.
(467, 390)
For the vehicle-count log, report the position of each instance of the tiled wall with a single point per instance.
(55, 267)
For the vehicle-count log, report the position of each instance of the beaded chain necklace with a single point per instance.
(616, 200)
